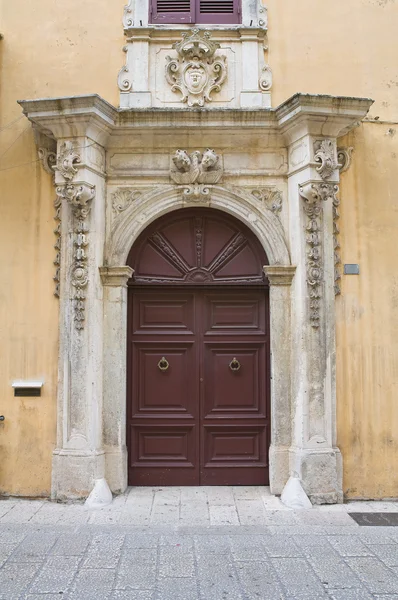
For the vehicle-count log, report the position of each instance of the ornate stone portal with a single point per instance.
(110, 189)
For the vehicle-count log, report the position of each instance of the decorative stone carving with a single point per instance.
(262, 15)
(336, 244)
(196, 73)
(124, 79)
(313, 195)
(344, 158)
(196, 167)
(66, 160)
(48, 160)
(79, 196)
(57, 245)
(123, 198)
(265, 81)
(128, 15)
(271, 197)
(196, 193)
(325, 157)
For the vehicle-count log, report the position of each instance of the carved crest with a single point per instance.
(196, 73)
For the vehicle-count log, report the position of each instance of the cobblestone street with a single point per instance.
(195, 543)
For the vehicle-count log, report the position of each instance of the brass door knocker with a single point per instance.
(234, 365)
(163, 364)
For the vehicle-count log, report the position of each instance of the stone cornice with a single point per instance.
(93, 117)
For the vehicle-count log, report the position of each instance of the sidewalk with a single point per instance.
(188, 506)
(195, 544)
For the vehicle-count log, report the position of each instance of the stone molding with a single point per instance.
(116, 276)
(280, 274)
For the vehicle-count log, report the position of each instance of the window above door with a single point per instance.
(223, 12)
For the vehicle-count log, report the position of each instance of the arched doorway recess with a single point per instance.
(198, 367)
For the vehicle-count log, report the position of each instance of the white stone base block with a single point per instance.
(278, 469)
(100, 497)
(116, 469)
(293, 495)
(320, 472)
(75, 473)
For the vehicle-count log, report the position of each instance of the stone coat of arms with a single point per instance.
(196, 73)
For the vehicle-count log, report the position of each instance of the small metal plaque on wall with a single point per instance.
(351, 269)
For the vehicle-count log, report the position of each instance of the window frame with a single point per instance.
(194, 17)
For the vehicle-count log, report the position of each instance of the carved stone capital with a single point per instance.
(325, 158)
(116, 276)
(280, 274)
(79, 196)
(316, 192)
(196, 72)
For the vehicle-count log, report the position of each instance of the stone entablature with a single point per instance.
(217, 66)
(116, 171)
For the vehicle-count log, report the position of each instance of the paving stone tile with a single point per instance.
(334, 573)
(12, 534)
(220, 496)
(193, 494)
(35, 547)
(178, 589)
(350, 594)
(349, 546)
(248, 548)
(273, 503)
(130, 557)
(5, 507)
(314, 517)
(103, 552)
(5, 551)
(250, 512)
(253, 492)
(315, 545)
(43, 597)
(92, 584)
(209, 544)
(223, 515)
(15, 578)
(279, 517)
(387, 553)
(22, 511)
(53, 580)
(176, 561)
(49, 513)
(141, 540)
(167, 496)
(104, 517)
(71, 544)
(281, 546)
(133, 595)
(165, 514)
(295, 572)
(195, 512)
(136, 575)
(177, 540)
(306, 594)
(378, 578)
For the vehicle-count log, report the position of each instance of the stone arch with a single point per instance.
(132, 222)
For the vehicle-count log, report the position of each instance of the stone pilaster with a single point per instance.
(313, 179)
(114, 280)
(280, 279)
(80, 183)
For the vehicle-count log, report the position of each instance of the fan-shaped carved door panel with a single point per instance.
(198, 354)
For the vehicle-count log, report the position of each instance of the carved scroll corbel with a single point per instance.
(325, 158)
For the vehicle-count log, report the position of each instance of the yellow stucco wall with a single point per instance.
(340, 48)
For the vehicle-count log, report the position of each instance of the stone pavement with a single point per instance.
(195, 543)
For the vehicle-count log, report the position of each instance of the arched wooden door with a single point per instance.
(198, 354)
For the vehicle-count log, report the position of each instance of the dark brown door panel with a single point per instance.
(234, 380)
(161, 312)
